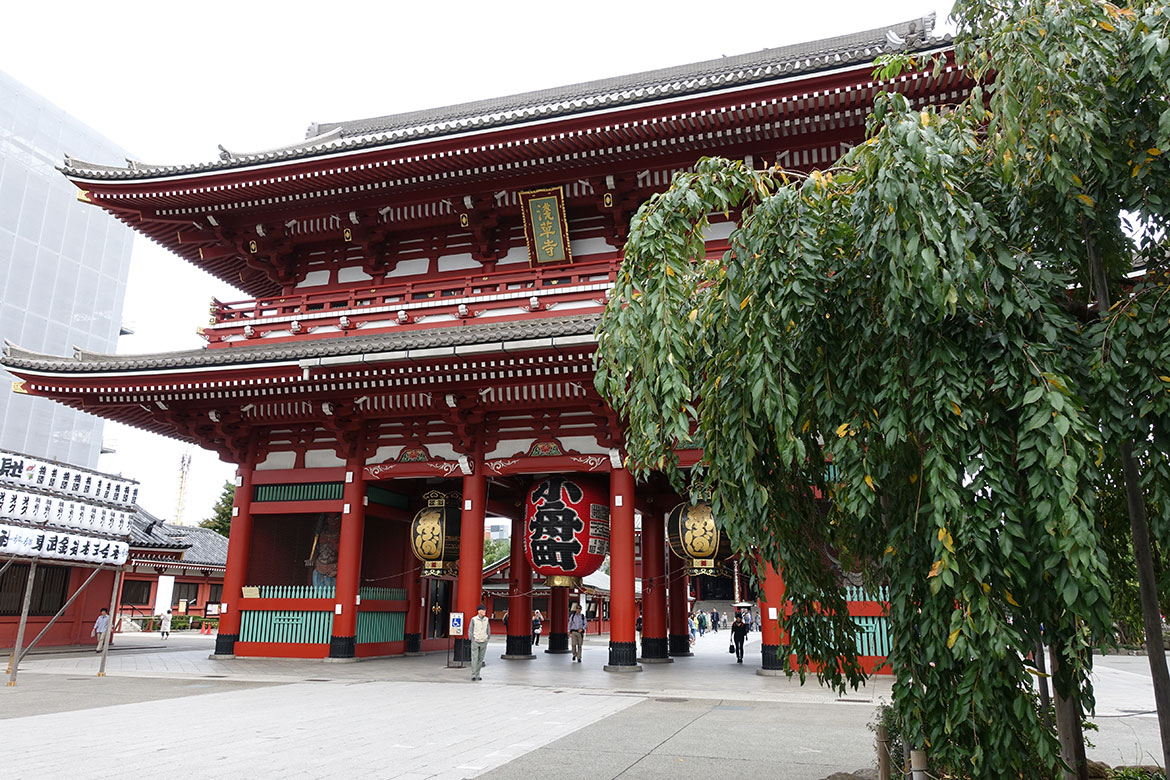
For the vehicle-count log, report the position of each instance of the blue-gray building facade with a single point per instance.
(63, 267)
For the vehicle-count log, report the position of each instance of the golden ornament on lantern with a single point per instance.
(694, 537)
(434, 534)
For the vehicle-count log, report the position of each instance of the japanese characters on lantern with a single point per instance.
(566, 528)
(434, 534)
(695, 537)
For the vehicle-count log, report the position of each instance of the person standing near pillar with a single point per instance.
(739, 632)
(577, 627)
(479, 631)
(101, 629)
(537, 624)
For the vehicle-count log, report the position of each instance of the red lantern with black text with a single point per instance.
(566, 529)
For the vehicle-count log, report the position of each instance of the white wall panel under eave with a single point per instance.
(384, 455)
(352, 273)
(322, 459)
(314, 279)
(459, 262)
(277, 461)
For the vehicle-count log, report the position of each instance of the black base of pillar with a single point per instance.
(414, 643)
(680, 645)
(462, 650)
(558, 644)
(342, 646)
(623, 654)
(225, 644)
(771, 657)
(519, 646)
(654, 648)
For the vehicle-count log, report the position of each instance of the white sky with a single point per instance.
(170, 81)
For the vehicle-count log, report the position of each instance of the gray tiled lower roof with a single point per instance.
(680, 81)
(205, 546)
(16, 358)
(148, 532)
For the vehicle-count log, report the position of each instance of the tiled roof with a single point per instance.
(665, 83)
(205, 545)
(148, 532)
(449, 336)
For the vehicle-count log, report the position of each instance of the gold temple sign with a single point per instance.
(545, 226)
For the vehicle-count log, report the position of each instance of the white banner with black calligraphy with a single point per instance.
(53, 510)
(21, 470)
(43, 543)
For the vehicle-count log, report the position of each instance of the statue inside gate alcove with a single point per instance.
(323, 556)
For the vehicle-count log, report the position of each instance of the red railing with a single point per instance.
(357, 297)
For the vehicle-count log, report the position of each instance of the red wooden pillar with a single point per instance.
(771, 604)
(519, 642)
(343, 642)
(654, 644)
(470, 587)
(558, 621)
(622, 606)
(414, 611)
(239, 547)
(680, 632)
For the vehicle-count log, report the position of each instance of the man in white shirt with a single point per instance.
(101, 629)
(479, 630)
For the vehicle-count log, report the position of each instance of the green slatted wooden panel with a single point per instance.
(301, 491)
(389, 594)
(296, 592)
(381, 627)
(283, 625)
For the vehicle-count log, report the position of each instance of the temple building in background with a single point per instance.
(63, 268)
(417, 352)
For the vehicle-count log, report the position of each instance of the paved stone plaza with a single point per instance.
(166, 705)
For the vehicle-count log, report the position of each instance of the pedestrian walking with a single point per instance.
(479, 631)
(577, 627)
(537, 622)
(747, 619)
(715, 620)
(166, 625)
(739, 632)
(702, 623)
(693, 627)
(638, 626)
(101, 629)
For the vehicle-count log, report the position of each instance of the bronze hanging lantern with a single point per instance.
(695, 537)
(434, 534)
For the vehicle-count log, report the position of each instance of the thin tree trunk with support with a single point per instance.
(1068, 727)
(1139, 525)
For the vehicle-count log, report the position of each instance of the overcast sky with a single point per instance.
(170, 81)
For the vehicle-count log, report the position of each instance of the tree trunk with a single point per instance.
(1068, 728)
(1139, 525)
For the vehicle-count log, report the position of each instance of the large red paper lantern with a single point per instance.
(566, 529)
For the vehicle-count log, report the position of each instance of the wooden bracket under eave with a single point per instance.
(18, 387)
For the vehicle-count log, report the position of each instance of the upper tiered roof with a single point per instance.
(802, 59)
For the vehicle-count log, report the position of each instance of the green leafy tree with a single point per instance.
(1080, 101)
(496, 550)
(221, 514)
